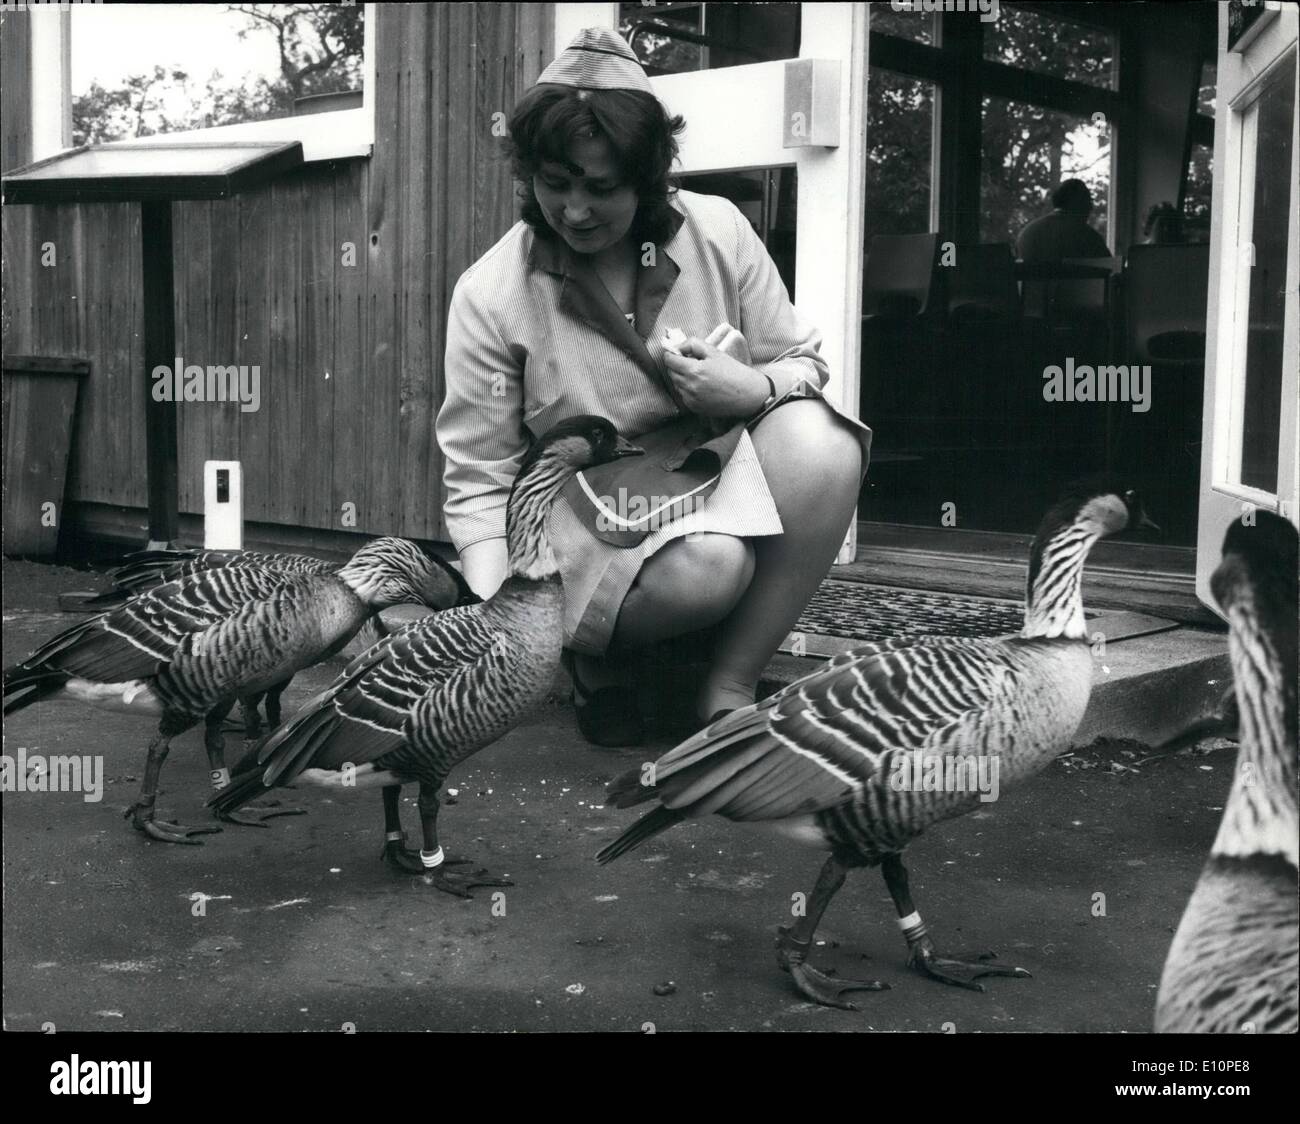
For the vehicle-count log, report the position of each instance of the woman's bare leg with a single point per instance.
(813, 464)
(759, 586)
(689, 584)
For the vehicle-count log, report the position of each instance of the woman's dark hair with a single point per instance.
(547, 120)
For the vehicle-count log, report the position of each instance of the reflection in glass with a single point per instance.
(1262, 403)
(900, 112)
(1028, 151)
(1199, 193)
(680, 38)
(1051, 45)
(1206, 89)
(916, 26)
(768, 198)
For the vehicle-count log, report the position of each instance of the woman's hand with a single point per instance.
(485, 565)
(713, 384)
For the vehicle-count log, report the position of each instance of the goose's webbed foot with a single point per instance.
(460, 882)
(820, 987)
(256, 815)
(143, 818)
(959, 973)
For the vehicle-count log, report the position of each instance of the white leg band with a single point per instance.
(911, 921)
(395, 836)
(431, 859)
(219, 777)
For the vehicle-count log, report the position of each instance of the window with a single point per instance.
(1051, 45)
(1205, 90)
(144, 70)
(1027, 152)
(1266, 183)
(768, 198)
(1198, 192)
(916, 26)
(900, 110)
(676, 38)
(156, 82)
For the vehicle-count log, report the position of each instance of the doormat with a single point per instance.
(843, 614)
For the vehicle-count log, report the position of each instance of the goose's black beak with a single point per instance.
(624, 448)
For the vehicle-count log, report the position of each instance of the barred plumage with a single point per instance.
(422, 700)
(187, 649)
(147, 569)
(1233, 965)
(822, 759)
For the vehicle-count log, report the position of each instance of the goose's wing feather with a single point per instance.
(365, 713)
(302, 620)
(141, 637)
(822, 739)
(155, 567)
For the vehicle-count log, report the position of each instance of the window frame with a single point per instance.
(962, 78)
(333, 135)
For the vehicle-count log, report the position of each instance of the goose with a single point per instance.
(429, 695)
(832, 760)
(1232, 966)
(148, 569)
(187, 649)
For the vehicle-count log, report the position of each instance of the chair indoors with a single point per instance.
(900, 307)
(900, 346)
(982, 285)
(898, 282)
(1165, 293)
(984, 328)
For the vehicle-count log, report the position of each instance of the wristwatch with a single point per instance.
(772, 395)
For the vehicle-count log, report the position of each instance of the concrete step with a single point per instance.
(1144, 688)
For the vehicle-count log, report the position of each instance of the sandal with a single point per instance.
(607, 716)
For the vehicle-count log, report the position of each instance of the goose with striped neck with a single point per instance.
(843, 759)
(147, 569)
(425, 698)
(185, 651)
(1232, 967)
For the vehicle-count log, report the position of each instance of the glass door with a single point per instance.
(1250, 447)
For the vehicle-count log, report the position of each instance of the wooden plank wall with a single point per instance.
(16, 105)
(350, 356)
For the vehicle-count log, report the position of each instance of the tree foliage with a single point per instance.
(319, 47)
(1026, 149)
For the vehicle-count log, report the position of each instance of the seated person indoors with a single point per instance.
(570, 313)
(1064, 232)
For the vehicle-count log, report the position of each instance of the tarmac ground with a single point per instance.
(1080, 875)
